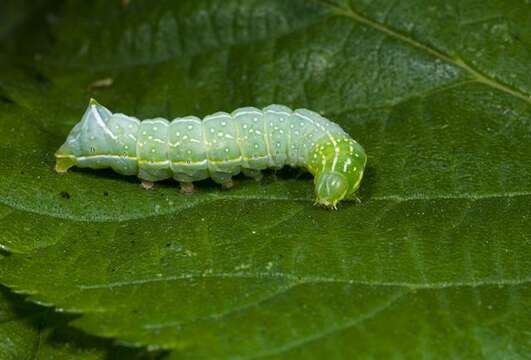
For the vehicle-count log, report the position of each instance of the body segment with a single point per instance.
(219, 146)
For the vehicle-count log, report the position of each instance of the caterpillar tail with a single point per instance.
(69, 153)
(63, 163)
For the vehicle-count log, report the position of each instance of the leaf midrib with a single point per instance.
(301, 279)
(213, 197)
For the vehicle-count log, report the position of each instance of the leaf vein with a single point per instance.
(331, 330)
(223, 314)
(456, 60)
(233, 197)
(304, 280)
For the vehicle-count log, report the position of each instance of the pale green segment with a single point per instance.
(125, 128)
(152, 150)
(95, 137)
(187, 149)
(307, 128)
(252, 138)
(223, 151)
(276, 120)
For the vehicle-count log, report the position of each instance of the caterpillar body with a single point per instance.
(219, 146)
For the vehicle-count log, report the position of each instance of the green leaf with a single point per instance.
(28, 331)
(434, 262)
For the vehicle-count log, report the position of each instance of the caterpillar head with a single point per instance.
(330, 188)
(339, 178)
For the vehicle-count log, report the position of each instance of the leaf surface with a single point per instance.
(435, 260)
(28, 331)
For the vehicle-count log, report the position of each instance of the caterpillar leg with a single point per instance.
(227, 184)
(355, 198)
(224, 179)
(186, 187)
(148, 185)
(253, 173)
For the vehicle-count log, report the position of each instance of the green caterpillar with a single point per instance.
(221, 145)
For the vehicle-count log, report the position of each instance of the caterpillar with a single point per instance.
(219, 146)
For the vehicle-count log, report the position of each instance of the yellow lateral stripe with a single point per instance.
(142, 161)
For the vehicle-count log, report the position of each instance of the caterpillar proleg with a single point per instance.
(219, 146)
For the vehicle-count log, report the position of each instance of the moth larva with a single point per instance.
(221, 145)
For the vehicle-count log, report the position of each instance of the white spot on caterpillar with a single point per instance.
(346, 165)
